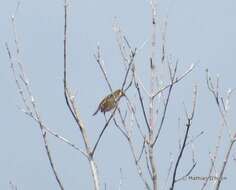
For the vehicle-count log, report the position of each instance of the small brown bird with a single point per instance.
(110, 102)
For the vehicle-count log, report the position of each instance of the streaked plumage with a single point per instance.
(110, 101)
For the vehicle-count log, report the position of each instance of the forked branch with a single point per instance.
(188, 125)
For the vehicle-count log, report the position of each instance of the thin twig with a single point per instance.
(176, 81)
(195, 138)
(104, 128)
(142, 106)
(70, 102)
(120, 41)
(172, 77)
(188, 173)
(135, 117)
(220, 178)
(50, 160)
(141, 152)
(140, 172)
(26, 95)
(222, 108)
(53, 133)
(136, 161)
(133, 53)
(123, 129)
(63, 139)
(101, 66)
(169, 171)
(188, 125)
(214, 89)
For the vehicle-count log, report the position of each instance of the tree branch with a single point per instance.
(188, 125)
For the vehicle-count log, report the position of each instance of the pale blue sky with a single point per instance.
(198, 31)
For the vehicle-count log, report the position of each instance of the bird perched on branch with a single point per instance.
(110, 102)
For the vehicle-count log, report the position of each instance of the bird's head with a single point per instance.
(119, 93)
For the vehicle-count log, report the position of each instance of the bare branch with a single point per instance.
(172, 77)
(139, 169)
(142, 105)
(187, 174)
(141, 152)
(220, 178)
(101, 66)
(188, 125)
(135, 117)
(26, 95)
(104, 128)
(50, 160)
(223, 108)
(214, 89)
(123, 129)
(147, 162)
(169, 171)
(176, 81)
(136, 158)
(133, 53)
(59, 137)
(70, 102)
(195, 138)
(63, 139)
(120, 41)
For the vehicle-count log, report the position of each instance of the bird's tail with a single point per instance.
(96, 111)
